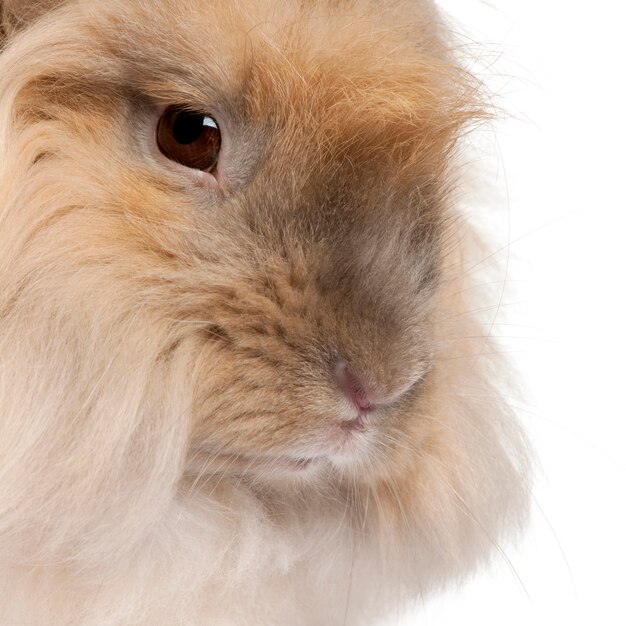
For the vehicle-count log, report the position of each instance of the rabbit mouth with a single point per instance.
(227, 463)
(338, 448)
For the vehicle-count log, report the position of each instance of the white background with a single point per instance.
(559, 68)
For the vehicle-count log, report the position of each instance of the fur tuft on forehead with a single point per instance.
(16, 15)
(381, 80)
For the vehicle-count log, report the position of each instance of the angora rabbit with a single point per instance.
(238, 384)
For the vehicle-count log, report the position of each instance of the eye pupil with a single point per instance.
(191, 138)
(187, 127)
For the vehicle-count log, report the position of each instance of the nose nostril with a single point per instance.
(353, 388)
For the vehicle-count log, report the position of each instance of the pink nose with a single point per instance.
(354, 389)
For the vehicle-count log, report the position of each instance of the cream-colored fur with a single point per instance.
(164, 348)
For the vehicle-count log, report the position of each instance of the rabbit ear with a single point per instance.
(17, 14)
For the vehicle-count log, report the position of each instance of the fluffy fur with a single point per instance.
(167, 351)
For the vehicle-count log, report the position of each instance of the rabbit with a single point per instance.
(239, 376)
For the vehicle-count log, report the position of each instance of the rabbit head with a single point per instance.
(231, 264)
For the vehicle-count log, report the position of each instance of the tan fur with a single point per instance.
(163, 346)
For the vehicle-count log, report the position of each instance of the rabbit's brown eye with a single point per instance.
(190, 138)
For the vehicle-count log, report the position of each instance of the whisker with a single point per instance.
(558, 543)
(573, 433)
(479, 310)
(494, 543)
(520, 337)
(351, 574)
(477, 266)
